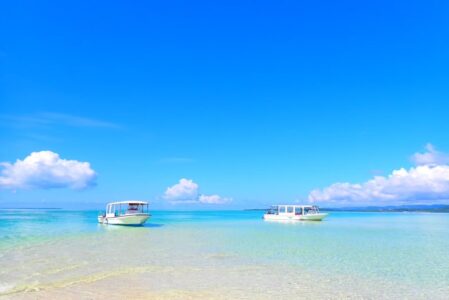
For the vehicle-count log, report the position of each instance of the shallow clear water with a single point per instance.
(224, 254)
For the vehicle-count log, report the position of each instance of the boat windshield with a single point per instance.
(272, 210)
(311, 210)
(134, 208)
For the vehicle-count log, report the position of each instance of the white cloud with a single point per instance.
(187, 191)
(415, 185)
(45, 169)
(55, 119)
(213, 199)
(431, 157)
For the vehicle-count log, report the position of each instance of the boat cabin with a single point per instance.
(126, 208)
(293, 210)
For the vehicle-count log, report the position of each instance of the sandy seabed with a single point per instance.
(199, 262)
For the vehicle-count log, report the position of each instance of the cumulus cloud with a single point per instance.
(429, 181)
(187, 191)
(213, 199)
(431, 157)
(45, 169)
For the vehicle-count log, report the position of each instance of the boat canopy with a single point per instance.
(129, 202)
(295, 206)
(292, 209)
(121, 208)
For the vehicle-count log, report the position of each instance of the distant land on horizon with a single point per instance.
(435, 208)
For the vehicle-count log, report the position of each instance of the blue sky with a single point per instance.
(258, 102)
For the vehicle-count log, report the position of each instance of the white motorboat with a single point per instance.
(125, 213)
(294, 213)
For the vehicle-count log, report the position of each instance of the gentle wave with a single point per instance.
(74, 281)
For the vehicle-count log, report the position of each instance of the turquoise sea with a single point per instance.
(58, 254)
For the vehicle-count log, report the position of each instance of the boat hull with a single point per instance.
(137, 219)
(314, 217)
(310, 217)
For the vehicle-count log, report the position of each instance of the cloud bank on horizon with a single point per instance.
(45, 170)
(187, 191)
(427, 181)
